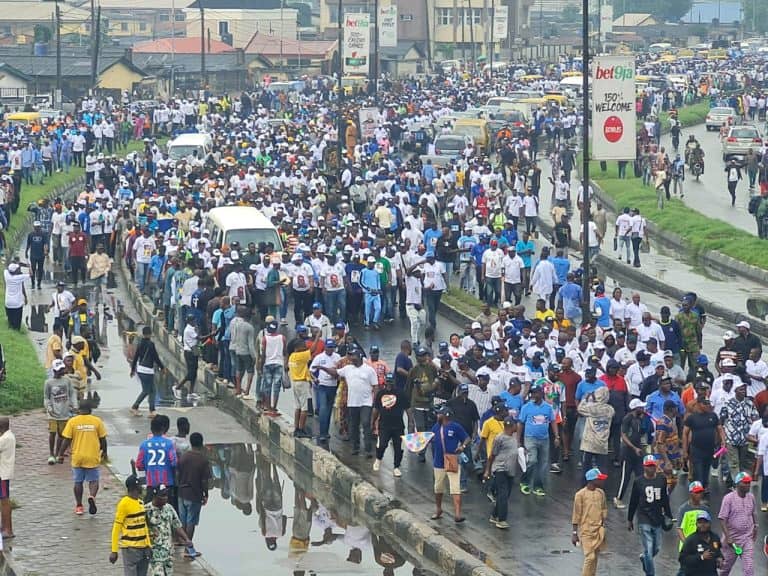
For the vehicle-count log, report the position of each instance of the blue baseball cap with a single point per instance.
(316, 306)
(594, 474)
(330, 343)
(463, 388)
(703, 515)
(702, 359)
(301, 328)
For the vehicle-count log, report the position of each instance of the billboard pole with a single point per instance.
(585, 206)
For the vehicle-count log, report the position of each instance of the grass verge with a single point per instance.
(462, 301)
(23, 387)
(699, 232)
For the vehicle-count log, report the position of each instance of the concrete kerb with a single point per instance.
(713, 258)
(347, 484)
(608, 266)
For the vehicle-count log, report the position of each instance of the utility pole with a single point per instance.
(586, 208)
(58, 54)
(376, 51)
(340, 99)
(96, 42)
(492, 35)
(282, 61)
(472, 35)
(93, 43)
(203, 80)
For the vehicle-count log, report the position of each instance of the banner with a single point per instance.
(500, 23)
(357, 44)
(613, 114)
(369, 120)
(388, 27)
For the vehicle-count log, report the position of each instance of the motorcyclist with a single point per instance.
(697, 156)
(690, 145)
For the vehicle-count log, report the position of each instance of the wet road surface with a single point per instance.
(537, 543)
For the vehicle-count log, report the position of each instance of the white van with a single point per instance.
(243, 224)
(184, 145)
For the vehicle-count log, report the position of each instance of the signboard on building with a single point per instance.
(357, 43)
(388, 27)
(613, 108)
(500, 23)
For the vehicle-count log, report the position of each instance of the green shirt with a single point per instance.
(690, 328)
(686, 519)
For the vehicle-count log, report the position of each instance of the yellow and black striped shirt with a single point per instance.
(129, 529)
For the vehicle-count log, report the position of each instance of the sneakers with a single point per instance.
(193, 396)
(376, 465)
(502, 524)
(491, 497)
(91, 505)
(190, 552)
(151, 415)
(396, 473)
(134, 412)
(79, 510)
(618, 504)
(176, 393)
(51, 460)
(763, 508)
(555, 468)
(525, 489)
(539, 492)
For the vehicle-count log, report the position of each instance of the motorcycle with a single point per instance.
(697, 169)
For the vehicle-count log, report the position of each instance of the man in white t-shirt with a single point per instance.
(594, 239)
(623, 232)
(491, 273)
(757, 370)
(512, 266)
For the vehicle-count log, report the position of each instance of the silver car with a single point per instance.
(741, 139)
(720, 116)
(451, 145)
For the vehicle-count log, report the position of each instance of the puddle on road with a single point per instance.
(258, 519)
(294, 523)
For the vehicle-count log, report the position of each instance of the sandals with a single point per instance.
(436, 516)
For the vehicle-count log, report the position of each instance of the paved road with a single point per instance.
(710, 194)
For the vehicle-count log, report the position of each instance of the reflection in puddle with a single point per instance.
(290, 525)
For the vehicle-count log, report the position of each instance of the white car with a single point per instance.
(720, 116)
(740, 140)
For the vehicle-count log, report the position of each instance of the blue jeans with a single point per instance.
(283, 302)
(387, 302)
(142, 271)
(492, 290)
(650, 537)
(538, 462)
(336, 305)
(371, 308)
(326, 396)
(225, 364)
(271, 384)
(432, 304)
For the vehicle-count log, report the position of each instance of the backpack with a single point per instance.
(754, 204)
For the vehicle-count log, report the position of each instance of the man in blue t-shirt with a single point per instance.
(537, 418)
(512, 398)
(449, 438)
(589, 384)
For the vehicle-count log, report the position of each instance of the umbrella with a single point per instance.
(417, 441)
